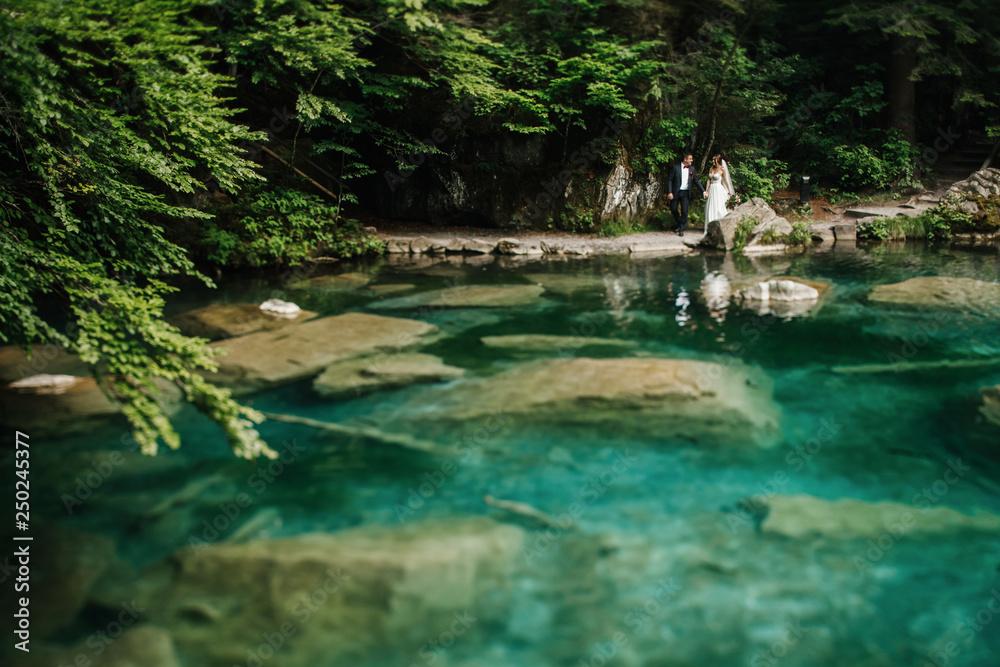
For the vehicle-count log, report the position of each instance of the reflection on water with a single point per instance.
(605, 542)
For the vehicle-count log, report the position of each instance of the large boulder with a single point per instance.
(336, 598)
(697, 401)
(46, 404)
(54, 393)
(15, 363)
(721, 234)
(467, 296)
(627, 195)
(967, 194)
(226, 320)
(784, 296)
(354, 377)
(941, 293)
(269, 358)
(848, 518)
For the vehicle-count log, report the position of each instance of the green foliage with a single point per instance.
(771, 236)
(757, 174)
(577, 220)
(83, 198)
(800, 234)
(278, 227)
(876, 229)
(934, 225)
(661, 145)
(743, 233)
(621, 227)
(859, 166)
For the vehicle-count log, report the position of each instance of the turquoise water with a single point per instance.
(661, 567)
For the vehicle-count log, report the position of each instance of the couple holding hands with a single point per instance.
(679, 185)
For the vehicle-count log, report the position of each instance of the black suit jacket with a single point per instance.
(674, 182)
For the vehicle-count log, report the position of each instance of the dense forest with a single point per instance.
(145, 141)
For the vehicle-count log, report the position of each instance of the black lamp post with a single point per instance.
(804, 197)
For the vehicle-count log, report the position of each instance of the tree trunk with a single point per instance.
(718, 90)
(902, 91)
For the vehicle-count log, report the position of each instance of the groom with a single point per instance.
(679, 190)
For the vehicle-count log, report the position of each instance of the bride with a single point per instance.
(720, 188)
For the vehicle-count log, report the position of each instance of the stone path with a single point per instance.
(504, 242)
(423, 240)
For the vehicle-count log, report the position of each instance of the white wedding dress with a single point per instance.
(718, 195)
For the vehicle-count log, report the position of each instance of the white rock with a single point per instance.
(45, 384)
(279, 307)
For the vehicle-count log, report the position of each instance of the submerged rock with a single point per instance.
(991, 403)
(941, 293)
(270, 358)
(383, 289)
(41, 410)
(568, 283)
(66, 399)
(336, 598)
(698, 401)
(848, 518)
(783, 297)
(354, 377)
(226, 320)
(333, 283)
(139, 644)
(62, 575)
(467, 296)
(546, 343)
